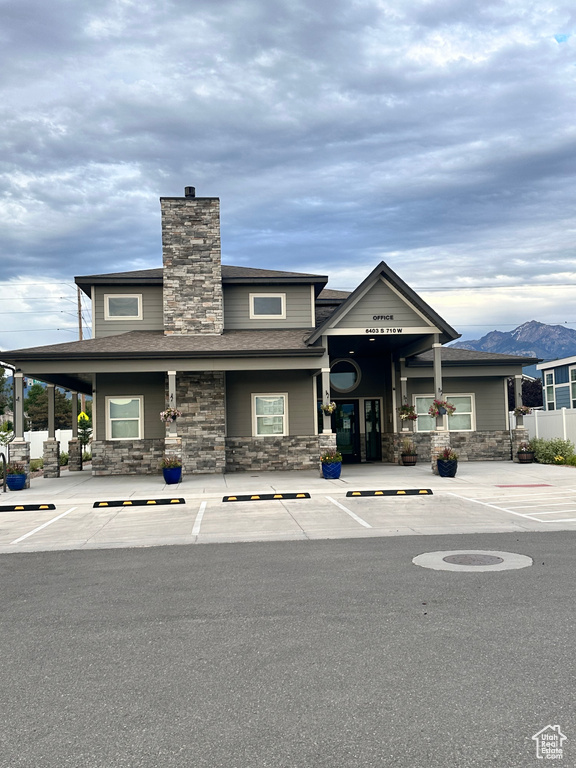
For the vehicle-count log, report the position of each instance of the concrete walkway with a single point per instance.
(77, 511)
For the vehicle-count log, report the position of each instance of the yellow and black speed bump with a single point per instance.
(25, 507)
(267, 497)
(137, 502)
(407, 492)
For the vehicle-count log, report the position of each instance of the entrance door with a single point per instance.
(372, 430)
(346, 419)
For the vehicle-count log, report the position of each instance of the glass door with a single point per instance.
(372, 430)
(346, 422)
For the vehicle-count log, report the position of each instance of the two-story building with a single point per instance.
(248, 356)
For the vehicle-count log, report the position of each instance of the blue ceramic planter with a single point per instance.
(332, 471)
(172, 475)
(16, 482)
(447, 467)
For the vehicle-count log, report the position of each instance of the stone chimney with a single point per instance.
(192, 269)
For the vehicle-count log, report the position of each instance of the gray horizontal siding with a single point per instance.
(152, 311)
(237, 307)
(381, 300)
(150, 385)
(241, 385)
(489, 397)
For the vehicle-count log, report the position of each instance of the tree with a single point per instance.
(36, 408)
(84, 429)
(5, 392)
(531, 393)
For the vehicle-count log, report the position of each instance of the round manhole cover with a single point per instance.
(473, 559)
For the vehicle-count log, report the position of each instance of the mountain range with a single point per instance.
(532, 339)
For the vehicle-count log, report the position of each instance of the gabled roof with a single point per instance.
(230, 275)
(383, 270)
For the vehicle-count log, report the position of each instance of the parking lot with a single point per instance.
(78, 511)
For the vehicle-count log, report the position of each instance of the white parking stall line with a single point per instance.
(495, 506)
(198, 521)
(44, 525)
(353, 515)
(554, 504)
(556, 511)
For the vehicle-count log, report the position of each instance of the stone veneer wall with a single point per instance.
(19, 452)
(127, 457)
(470, 446)
(192, 270)
(202, 426)
(276, 453)
(51, 458)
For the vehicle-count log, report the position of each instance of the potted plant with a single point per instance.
(169, 415)
(525, 454)
(407, 413)
(522, 410)
(331, 465)
(171, 469)
(447, 463)
(441, 408)
(408, 454)
(16, 476)
(328, 408)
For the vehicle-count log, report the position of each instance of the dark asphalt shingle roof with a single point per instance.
(146, 344)
(457, 356)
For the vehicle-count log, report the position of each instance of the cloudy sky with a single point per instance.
(435, 135)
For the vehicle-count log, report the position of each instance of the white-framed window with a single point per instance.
(122, 306)
(267, 306)
(573, 386)
(270, 414)
(124, 417)
(463, 419)
(550, 404)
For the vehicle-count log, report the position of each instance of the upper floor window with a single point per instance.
(122, 306)
(267, 306)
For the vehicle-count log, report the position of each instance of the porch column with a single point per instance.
(403, 389)
(438, 390)
(74, 447)
(172, 431)
(51, 452)
(19, 406)
(326, 417)
(50, 392)
(518, 399)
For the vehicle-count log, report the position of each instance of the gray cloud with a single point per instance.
(427, 134)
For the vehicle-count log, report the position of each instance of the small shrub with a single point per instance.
(86, 456)
(36, 464)
(547, 451)
(64, 459)
(570, 461)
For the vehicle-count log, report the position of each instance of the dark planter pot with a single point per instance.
(332, 471)
(409, 459)
(447, 467)
(172, 475)
(527, 457)
(16, 482)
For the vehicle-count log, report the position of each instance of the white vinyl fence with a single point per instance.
(552, 424)
(36, 440)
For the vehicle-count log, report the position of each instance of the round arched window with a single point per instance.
(344, 375)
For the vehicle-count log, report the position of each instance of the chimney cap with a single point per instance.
(189, 191)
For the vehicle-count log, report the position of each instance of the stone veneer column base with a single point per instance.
(518, 436)
(51, 458)
(202, 426)
(20, 454)
(438, 441)
(74, 455)
(276, 453)
(127, 457)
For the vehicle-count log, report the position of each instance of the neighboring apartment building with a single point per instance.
(248, 355)
(559, 383)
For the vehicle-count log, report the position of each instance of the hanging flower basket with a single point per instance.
(522, 410)
(407, 413)
(328, 408)
(169, 415)
(441, 408)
